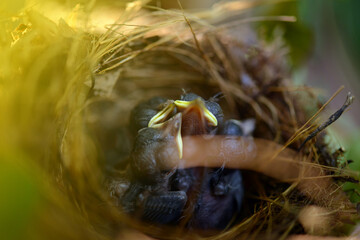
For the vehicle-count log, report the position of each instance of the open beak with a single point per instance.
(172, 127)
(200, 107)
(162, 116)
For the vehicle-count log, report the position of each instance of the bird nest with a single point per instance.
(292, 178)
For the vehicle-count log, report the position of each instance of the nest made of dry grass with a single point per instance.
(92, 81)
(254, 77)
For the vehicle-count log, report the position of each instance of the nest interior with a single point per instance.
(254, 78)
(78, 106)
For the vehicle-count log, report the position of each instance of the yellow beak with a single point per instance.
(162, 115)
(173, 127)
(211, 119)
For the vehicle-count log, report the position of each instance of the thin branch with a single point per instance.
(332, 118)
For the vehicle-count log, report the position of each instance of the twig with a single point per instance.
(332, 118)
(304, 126)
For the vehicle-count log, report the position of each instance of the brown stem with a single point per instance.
(262, 156)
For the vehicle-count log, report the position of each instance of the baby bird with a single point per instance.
(199, 198)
